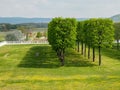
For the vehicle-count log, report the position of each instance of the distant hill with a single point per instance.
(19, 20)
(116, 18)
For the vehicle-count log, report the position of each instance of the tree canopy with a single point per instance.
(96, 33)
(117, 33)
(61, 35)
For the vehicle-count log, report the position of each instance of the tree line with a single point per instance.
(117, 34)
(8, 27)
(93, 33)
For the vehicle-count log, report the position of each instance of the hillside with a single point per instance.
(21, 69)
(19, 20)
(116, 18)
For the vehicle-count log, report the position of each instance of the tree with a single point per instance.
(5, 27)
(26, 30)
(88, 32)
(45, 34)
(97, 33)
(104, 34)
(22, 29)
(38, 35)
(80, 34)
(15, 36)
(62, 35)
(85, 33)
(117, 33)
(90, 27)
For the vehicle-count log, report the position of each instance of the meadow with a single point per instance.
(2, 36)
(36, 67)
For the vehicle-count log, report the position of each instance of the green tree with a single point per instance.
(104, 34)
(90, 27)
(39, 35)
(62, 35)
(117, 33)
(15, 36)
(45, 34)
(80, 35)
(24, 29)
(97, 33)
(5, 27)
(88, 31)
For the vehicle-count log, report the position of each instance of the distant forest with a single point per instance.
(7, 27)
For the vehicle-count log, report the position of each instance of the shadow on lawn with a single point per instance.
(47, 59)
(112, 53)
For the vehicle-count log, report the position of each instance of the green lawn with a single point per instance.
(2, 37)
(21, 69)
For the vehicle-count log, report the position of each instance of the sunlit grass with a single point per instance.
(2, 37)
(21, 69)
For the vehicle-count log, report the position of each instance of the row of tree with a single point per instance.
(95, 33)
(117, 34)
(7, 27)
(65, 32)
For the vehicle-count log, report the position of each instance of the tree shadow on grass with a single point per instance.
(40, 57)
(112, 53)
(75, 59)
(45, 57)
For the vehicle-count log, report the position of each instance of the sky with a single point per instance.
(59, 8)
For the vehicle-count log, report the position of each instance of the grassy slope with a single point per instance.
(21, 69)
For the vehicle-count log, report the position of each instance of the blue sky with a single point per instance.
(55, 8)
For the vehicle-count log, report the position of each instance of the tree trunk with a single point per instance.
(88, 51)
(62, 57)
(78, 46)
(82, 48)
(27, 37)
(93, 54)
(99, 55)
(58, 53)
(85, 51)
(118, 44)
(62, 61)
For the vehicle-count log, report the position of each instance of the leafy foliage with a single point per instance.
(117, 33)
(61, 35)
(38, 35)
(16, 36)
(97, 33)
(117, 30)
(7, 27)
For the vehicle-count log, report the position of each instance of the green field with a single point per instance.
(2, 37)
(22, 69)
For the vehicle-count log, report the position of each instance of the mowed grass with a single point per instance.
(36, 67)
(2, 37)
